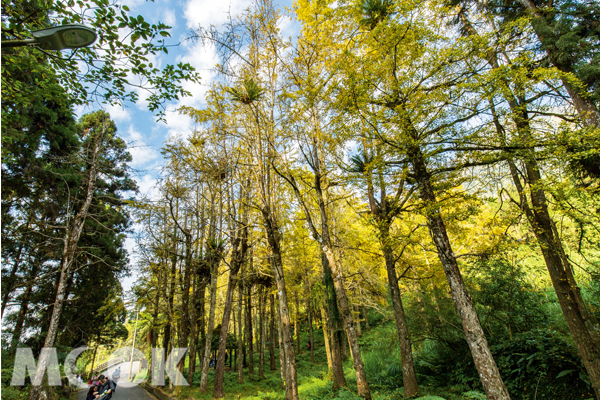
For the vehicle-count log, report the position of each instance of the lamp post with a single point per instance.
(62, 37)
(133, 345)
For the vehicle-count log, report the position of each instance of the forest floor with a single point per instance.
(313, 382)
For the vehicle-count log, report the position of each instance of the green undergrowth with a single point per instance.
(382, 362)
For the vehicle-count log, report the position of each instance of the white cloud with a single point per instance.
(203, 59)
(206, 12)
(147, 186)
(118, 113)
(141, 152)
(168, 17)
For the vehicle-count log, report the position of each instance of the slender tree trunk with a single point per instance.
(358, 327)
(342, 299)
(297, 323)
(272, 231)
(281, 352)
(91, 374)
(240, 343)
(171, 281)
(70, 247)
(153, 329)
(256, 325)
(344, 342)
(564, 284)
(184, 322)
(249, 338)
(272, 333)
(409, 376)
(365, 314)
(310, 328)
(211, 325)
(484, 361)
(327, 341)
(333, 322)
(261, 332)
(192, 341)
(202, 323)
(220, 369)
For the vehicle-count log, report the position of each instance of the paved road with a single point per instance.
(123, 393)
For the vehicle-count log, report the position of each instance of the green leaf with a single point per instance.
(565, 372)
(124, 7)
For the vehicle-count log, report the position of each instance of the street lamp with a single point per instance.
(70, 36)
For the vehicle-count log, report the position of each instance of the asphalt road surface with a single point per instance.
(123, 393)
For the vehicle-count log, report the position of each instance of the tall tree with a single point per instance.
(384, 211)
(421, 116)
(97, 130)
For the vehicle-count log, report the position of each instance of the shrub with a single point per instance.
(542, 365)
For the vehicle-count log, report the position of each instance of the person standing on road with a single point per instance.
(116, 376)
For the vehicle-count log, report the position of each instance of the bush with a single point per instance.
(535, 365)
(381, 357)
(446, 365)
(542, 365)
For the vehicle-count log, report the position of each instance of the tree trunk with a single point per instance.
(249, 339)
(310, 328)
(585, 340)
(484, 362)
(281, 351)
(93, 361)
(273, 235)
(70, 247)
(272, 334)
(261, 332)
(340, 290)
(589, 113)
(409, 376)
(333, 322)
(171, 279)
(218, 391)
(240, 343)
(202, 323)
(297, 323)
(344, 342)
(211, 326)
(344, 307)
(559, 268)
(358, 327)
(365, 314)
(565, 286)
(327, 341)
(155, 311)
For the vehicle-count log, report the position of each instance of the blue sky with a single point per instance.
(135, 123)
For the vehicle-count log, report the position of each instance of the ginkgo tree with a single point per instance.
(412, 84)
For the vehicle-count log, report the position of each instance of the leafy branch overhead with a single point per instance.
(115, 69)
